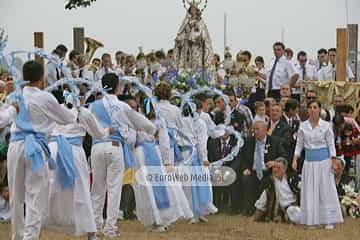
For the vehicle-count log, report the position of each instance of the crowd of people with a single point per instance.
(293, 166)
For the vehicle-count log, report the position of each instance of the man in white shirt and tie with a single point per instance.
(328, 73)
(107, 67)
(281, 71)
(322, 59)
(306, 72)
(53, 71)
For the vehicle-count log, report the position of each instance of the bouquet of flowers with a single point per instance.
(185, 80)
(351, 202)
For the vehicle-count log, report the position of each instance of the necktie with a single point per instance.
(57, 74)
(258, 161)
(81, 73)
(272, 74)
(304, 72)
(223, 149)
(334, 72)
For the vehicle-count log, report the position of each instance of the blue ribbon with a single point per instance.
(152, 159)
(104, 118)
(317, 155)
(178, 157)
(66, 170)
(34, 143)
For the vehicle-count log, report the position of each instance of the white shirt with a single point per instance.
(170, 113)
(87, 74)
(328, 73)
(87, 123)
(44, 111)
(126, 117)
(321, 136)
(99, 74)
(209, 124)
(286, 196)
(310, 72)
(53, 70)
(284, 71)
(7, 115)
(262, 145)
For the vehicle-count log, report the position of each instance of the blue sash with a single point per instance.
(178, 157)
(34, 142)
(317, 155)
(66, 170)
(152, 159)
(104, 118)
(201, 195)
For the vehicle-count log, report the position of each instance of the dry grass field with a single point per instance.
(222, 227)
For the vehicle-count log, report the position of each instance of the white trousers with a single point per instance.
(26, 187)
(108, 169)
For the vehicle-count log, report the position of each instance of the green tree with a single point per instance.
(71, 4)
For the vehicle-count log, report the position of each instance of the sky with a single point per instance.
(125, 25)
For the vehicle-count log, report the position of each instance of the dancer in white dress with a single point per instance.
(199, 194)
(70, 209)
(157, 204)
(319, 200)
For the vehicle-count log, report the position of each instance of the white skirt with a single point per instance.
(70, 210)
(319, 199)
(146, 209)
(208, 209)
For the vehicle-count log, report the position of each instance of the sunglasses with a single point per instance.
(311, 98)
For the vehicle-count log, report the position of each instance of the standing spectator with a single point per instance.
(319, 199)
(328, 73)
(280, 71)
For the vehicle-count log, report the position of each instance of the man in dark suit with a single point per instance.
(278, 126)
(258, 155)
(227, 198)
(291, 116)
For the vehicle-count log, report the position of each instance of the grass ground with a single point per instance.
(222, 227)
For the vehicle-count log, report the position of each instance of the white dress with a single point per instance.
(147, 210)
(172, 116)
(196, 130)
(70, 210)
(319, 199)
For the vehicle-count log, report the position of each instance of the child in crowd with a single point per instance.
(260, 111)
(4, 204)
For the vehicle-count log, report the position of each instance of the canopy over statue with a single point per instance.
(193, 46)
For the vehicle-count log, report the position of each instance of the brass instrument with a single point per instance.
(91, 46)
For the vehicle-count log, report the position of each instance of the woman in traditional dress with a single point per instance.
(319, 200)
(70, 208)
(193, 47)
(158, 204)
(195, 164)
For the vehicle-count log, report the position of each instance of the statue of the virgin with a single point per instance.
(193, 46)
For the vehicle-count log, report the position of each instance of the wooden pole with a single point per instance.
(39, 43)
(79, 35)
(353, 33)
(341, 54)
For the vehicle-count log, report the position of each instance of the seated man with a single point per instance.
(258, 155)
(280, 199)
